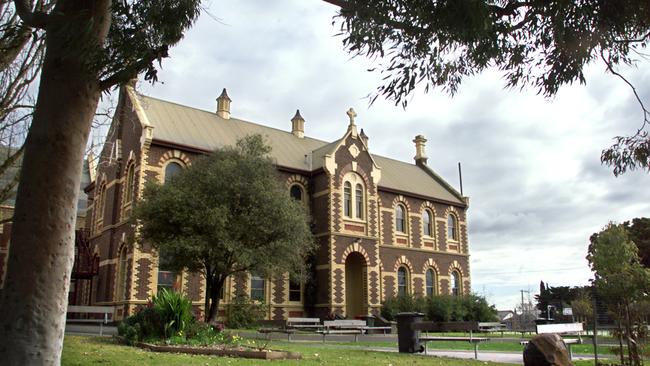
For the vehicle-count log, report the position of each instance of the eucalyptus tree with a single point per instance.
(91, 46)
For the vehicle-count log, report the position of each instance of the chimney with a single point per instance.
(420, 156)
(298, 125)
(364, 138)
(223, 105)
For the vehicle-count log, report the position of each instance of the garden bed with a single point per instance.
(240, 352)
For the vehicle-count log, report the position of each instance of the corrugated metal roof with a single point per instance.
(205, 130)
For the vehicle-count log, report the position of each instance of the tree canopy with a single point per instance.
(544, 44)
(621, 280)
(225, 214)
(639, 231)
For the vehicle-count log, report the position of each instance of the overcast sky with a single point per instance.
(530, 165)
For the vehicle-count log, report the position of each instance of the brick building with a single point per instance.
(383, 226)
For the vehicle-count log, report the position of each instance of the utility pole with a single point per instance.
(521, 318)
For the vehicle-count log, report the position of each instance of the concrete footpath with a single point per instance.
(494, 356)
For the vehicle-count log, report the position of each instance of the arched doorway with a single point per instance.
(355, 285)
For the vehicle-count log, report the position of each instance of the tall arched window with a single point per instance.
(402, 281)
(452, 227)
(358, 197)
(347, 199)
(171, 170)
(295, 289)
(257, 287)
(121, 276)
(400, 219)
(456, 288)
(427, 223)
(431, 281)
(296, 192)
(130, 175)
(100, 207)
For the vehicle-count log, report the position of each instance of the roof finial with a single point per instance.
(352, 114)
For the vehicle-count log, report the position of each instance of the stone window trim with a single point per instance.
(297, 192)
(354, 186)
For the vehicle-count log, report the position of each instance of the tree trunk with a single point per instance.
(216, 286)
(34, 299)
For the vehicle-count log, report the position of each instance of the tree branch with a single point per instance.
(131, 71)
(34, 19)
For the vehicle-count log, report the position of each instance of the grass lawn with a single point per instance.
(105, 351)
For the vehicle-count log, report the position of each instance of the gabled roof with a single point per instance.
(183, 125)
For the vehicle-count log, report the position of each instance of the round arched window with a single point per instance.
(402, 281)
(171, 170)
(295, 192)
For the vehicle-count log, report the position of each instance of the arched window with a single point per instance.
(359, 201)
(427, 223)
(431, 281)
(456, 288)
(100, 207)
(296, 192)
(347, 199)
(400, 219)
(257, 287)
(130, 175)
(121, 276)
(402, 281)
(171, 170)
(452, 227)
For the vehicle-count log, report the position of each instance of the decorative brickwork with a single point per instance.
(372, 234)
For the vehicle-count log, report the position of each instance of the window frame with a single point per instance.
(403, 220)
(291, 281)
(347, 199)
(301, 190)
(252, 296)
(405, 286)
(354, 198)
(430, 227)
(166, 178)
(359, 202)
(456, 283)
(430, 289)
(121, 275)
(452, 227)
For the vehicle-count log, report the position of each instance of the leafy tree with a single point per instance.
(545, 44)
(639, 231)
(90, 47)
(227, 214)
(621, 280)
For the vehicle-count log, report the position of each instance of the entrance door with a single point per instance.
(355, 288)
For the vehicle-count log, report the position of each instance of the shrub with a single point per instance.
(245, 313)
(394, 305)
(143, 325)
(175, 311)
(441, 308)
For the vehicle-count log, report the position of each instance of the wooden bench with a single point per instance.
(562, 329)
(343, 326)
(94, 310)
(444, 327)
(489, 327)
(293, 325)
